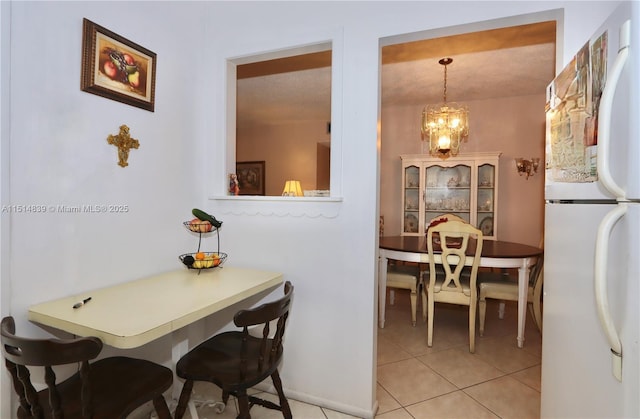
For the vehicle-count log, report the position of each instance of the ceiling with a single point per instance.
(513, 61)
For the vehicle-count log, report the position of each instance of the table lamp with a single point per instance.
(292, 188)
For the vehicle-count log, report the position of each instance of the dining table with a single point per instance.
(133, 313)
(495, 254)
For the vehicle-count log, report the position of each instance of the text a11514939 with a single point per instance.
(65, 209)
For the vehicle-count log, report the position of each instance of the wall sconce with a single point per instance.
(292, 188)
(527, 167)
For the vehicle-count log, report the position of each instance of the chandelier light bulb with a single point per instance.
(444, 143)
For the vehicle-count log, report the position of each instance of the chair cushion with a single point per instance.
(401, 280)
(500, 286)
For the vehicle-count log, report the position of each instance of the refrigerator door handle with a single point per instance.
(604, 115)
(602, 301)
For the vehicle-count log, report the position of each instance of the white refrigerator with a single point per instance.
(591, 300)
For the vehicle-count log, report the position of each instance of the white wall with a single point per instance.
(5, 282)
(59, 155)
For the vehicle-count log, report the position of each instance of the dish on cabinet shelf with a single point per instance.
(411, 200)
(410, 223)
(412, 180)
(486, 226)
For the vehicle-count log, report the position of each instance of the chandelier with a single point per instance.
(445, 125)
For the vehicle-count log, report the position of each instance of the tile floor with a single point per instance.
(445, 381)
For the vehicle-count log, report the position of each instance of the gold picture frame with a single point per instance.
(116, 68)
(251, 177)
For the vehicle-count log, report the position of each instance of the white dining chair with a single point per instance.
(504, 286)
(404, 277)
(424, 273)
(454, 240)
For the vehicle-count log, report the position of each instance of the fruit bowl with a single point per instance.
(198, 226)
(203, 260)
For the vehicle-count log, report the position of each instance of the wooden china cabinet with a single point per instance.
(465, 185)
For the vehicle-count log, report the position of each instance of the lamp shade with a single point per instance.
(292, 188)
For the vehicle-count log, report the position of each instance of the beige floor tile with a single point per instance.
(386, 402)
(413, 341)
(530, 377)
(389, 351)
(411, 381)
(450, 327)
(515, 393)
(461, 367)
(508, 398)
(452, 405)
(496, 327)
(504, 354)
(395, 414)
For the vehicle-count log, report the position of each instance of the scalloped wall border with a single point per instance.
(279, 207)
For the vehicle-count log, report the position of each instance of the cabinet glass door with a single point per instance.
(486, 198)
(448, 190)
(411, 199)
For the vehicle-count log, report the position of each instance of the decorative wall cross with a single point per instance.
(124, 142)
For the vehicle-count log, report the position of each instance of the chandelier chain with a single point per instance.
(445, 84)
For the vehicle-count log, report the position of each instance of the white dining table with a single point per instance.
(495, 254)
(133, 313)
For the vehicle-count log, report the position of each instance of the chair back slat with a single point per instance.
(31, 395)
(54, 396)
(277, 339)
(17, 385)
(85, 391)
(270, 350)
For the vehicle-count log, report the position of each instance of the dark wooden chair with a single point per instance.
(108, 388)
(237, 360)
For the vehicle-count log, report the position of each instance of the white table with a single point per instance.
(134, 313)
(495, 254)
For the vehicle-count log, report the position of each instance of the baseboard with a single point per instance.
(317, 401)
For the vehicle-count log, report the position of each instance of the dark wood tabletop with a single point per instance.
(490, 248)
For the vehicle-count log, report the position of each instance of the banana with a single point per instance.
(201, 215)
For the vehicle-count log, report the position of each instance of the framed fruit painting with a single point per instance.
(251, 177)
(116, 68)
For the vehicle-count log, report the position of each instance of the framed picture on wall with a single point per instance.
(116, 68)
(251, 177)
